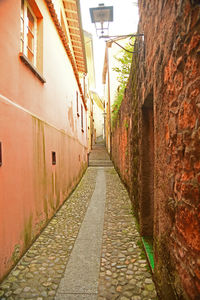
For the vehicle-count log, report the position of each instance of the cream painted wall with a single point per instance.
(98, 120)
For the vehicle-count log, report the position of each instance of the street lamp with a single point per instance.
(101, 16)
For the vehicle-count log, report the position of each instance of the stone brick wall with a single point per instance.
(125, 139)
(168, 85)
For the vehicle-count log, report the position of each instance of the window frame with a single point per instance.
(36, 66)
(26, 30)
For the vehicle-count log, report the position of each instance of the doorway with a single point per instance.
(147, 169)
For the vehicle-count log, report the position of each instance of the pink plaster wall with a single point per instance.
(35, 119)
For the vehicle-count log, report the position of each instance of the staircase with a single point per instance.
(99, 156)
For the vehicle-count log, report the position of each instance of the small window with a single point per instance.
(53, 158)
(82, 118)
(28, 32)
(77, 104)
(22, 26)
(31, 38)
(0, 154)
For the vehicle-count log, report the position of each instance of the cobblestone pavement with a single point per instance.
(123, 274)
(39, 272)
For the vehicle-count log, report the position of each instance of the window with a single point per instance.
(82, 118)
(31, 40)
(28, 32)
(77, 104)
(53, 158)
(0, 154)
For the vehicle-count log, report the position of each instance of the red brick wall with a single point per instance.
(125, 140)
(120, 154)
(169, 70)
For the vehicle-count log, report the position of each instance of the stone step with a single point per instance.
(100, 163)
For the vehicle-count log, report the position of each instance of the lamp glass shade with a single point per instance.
(101, 14)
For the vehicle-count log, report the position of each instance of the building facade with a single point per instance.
(111, 80)
(91, 85)
(43, 121)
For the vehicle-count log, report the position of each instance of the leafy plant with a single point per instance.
(126, 124)
(123, 59)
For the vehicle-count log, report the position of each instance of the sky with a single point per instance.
(125, 20)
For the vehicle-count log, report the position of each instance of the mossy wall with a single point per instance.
(33, 188)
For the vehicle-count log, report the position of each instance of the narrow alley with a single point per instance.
(90, 248)
(100, 150)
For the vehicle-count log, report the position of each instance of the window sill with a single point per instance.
(78, 114)
(26, 61)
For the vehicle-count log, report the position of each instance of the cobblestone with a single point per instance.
(123, 273)
(120, 253)
(38, 273)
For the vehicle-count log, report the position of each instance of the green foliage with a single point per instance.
(142, 253)
(126, 124)
(123, 59)
(116, 106)
(132, 212)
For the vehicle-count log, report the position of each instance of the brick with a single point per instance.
(187, 116)
(178, 81)
(168, 68)
(188, 225)
(193, 43)
(190, 192)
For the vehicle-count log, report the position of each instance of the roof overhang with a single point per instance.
(90, 59)
(73, 16)
(74, 62)
(97, 100)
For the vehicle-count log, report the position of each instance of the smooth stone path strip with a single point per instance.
(124, 275)
(82, 272)
(39, 272)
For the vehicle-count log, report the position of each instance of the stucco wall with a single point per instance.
(35, 120)
(98, 120)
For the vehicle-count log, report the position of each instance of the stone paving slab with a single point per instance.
(99, 153)
(82, 272)
(100, 163)
(99, 157)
